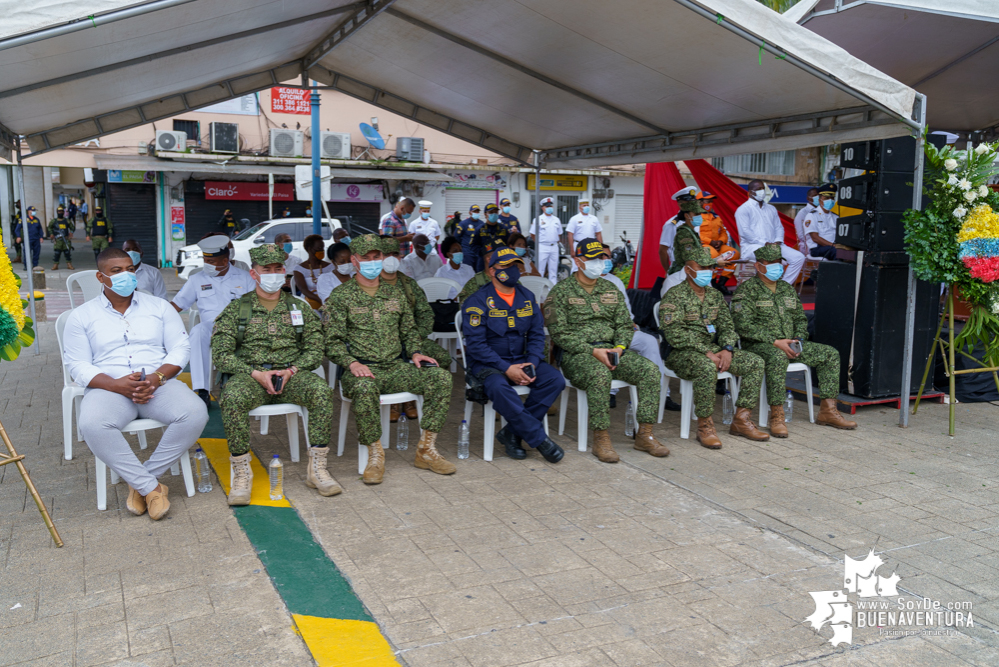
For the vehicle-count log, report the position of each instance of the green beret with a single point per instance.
(365, 243)
(701, 255)
(771, 252)
(390, 245)
(269, 253)
(691, 206)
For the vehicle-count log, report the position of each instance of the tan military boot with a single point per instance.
(553, 408)
(70, 266)
(706, 434)
(55, 267)
(394, 413)
(375, 470)
(317, 476)
(744, 426)
(777, 427)
(428, 458)
(602, 447)
(158, 503)
(646, 442)
(830, 416)
(410, 410)
(242, 479)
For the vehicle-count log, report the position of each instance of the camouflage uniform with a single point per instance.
(580, 322)
(761, 316)
(684, 320)
(686, 246)
(473, 285)
(375, 330)
(60, 229)
(270, 338)
(99, 229)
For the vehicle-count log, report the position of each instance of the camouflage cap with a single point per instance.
(691, 205)
(365, 243)
(701, 256)
(771, 252)
(269, 253)
(390, 245)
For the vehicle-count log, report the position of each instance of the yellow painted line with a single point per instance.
(185, 378)
(338, 643)
(217, 450)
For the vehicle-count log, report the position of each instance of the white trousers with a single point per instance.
(548, 261)
(648, 346)
(201, 356)
(795, 260)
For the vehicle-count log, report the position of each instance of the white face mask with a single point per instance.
(390, 264)
(593, 268)
(345, 269)
(271, 282)
(211, 270)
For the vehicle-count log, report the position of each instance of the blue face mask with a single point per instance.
(493, 217)
(475, 216)
(520, 251)
(828, 204)
(372, 269)
(405, 216)
(586, 210)
(608, 265)
(506, 209)
(136, 257)
(428, 249)
(458, 257)
(123, 284)
(288, 248)
(815, 201)
(549, 210)
(702, 278)
(345, 239)
(696, 222)
(774, 272)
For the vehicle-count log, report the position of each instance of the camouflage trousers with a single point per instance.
(434, 384)
(590, 375)
(823, 358)
(62, 248)
(99, 243)
(696, 367)
(433, 350)
(242, 393)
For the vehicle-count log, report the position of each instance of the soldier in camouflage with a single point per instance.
(768, 318)
(481, 278)
(588, 319)
(100, 231)
(423, 314)
(687, 239)
(281, 338)
(369, 329)
(61, 232)
(696, 322)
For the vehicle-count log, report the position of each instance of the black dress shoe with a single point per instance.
(551, 451)
(671, 406)
(206, 397)
(511, 443)
(613, 401)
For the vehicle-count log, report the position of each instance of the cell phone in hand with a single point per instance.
(142, 375)
(529, 371)
(425, 363)
(614, 358)
(795, 346)
(277, 381)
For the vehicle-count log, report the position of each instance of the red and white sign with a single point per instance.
(290, 100)
(242, 191)
(365, 192)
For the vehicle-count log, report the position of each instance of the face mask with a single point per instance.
(608, 265)
(758, 195)
(493, 217)
(475, 216)
(428, 249)
(815, 201)
(211, 271)
(345, 269)
(287, 248)
(586, 210)
(520, 251)
(370, 270)
(389, 265)
(123, 284)
(506, 209)
(425, 216)
(271, 282)
(405, 216)
(458, 257)
(549, 210)
(828, 204)
(136, 257)
(512, 275)
(345, 239)
(308, 213)
(774, 272)
(319, 255)
(592, 268)
(702, 278)
(696, 222)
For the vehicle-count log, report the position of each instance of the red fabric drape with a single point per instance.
(662, 179)
(729, 197)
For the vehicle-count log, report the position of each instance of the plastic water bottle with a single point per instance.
(201, 471)
(728, 408)
(463, 440)
(629, 421)
(402, 437)
(277, 478)
(788, 406)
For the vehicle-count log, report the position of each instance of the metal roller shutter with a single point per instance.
(362, 216)
(460, 199)
(628, 212)
(131, 207)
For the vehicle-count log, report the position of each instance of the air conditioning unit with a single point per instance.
(409, 149)
(224, 137)
(335, 145)
(286, 143)
(170, 141)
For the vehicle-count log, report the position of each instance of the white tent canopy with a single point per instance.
(946, 49)
(585, 82)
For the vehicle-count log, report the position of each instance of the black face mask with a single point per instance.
(508, 276)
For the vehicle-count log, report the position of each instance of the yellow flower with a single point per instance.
(982, 222)
(10, 300)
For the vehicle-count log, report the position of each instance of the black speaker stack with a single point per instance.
(883, 194)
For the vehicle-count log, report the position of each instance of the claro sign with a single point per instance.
(241, 191)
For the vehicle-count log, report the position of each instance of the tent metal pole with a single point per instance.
(910, 297)
(317, 182)
(537, 212)
(25, 242)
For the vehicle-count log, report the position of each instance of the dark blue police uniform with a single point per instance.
(485, 238)
(464, 234)
(496, 336)
(34, 241)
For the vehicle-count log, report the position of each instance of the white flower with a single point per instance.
(964, 184)
(983, 191)
(981, 149)
(952, 180)
(950, 164)
(971, 196)
(960, 212)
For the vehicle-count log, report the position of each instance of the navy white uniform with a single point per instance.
(547, 231)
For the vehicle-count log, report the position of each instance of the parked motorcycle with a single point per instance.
(623, 255)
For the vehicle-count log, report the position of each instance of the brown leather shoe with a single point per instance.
(706, 434)
(830, 416)
(778, 429)
(375, 470)
(70, 266)
(602, 447)
(744, 426)
(553, 408)
(394, 413)
(410, 409)
(135, 503)
(158, 503)
(646, 442)
(428, 458)
(55, 267)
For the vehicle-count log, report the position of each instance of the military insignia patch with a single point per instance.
(608, 298)
(491, 302)
(808, 223)
(392, 306)
(667, 318)
(497, 313)
(736, 307)
(475, 320)
(359, 310)
(377, 315)
(765, 304)
(272, 328)
(574, 301)
(526, 311)
(510, 322)
(596, 307)
(256, 320)
(473, 309)
(789, 302)
(669, 306)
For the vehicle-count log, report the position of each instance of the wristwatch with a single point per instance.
(161, 376)
(728, 348)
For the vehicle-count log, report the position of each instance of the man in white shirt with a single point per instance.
(423, 262)
(212, 289)
(820, 225)
(583, 225)
(424, 224)
(759, 224)
(126, 348)
(454, 269)
(295, 257)
(799, 219)
(546, 230)
(150, 279)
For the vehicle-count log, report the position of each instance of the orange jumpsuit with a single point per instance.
(713, 229)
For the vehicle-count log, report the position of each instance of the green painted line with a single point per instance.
(214, 428)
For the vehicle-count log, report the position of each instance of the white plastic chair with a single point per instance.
(139, 427)
(386, 401)
(88, 284)
(193, 316)
(72, 395)
(538, 285)
(291, 412)
(439, 289)
(796, 367)
(489, 410)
